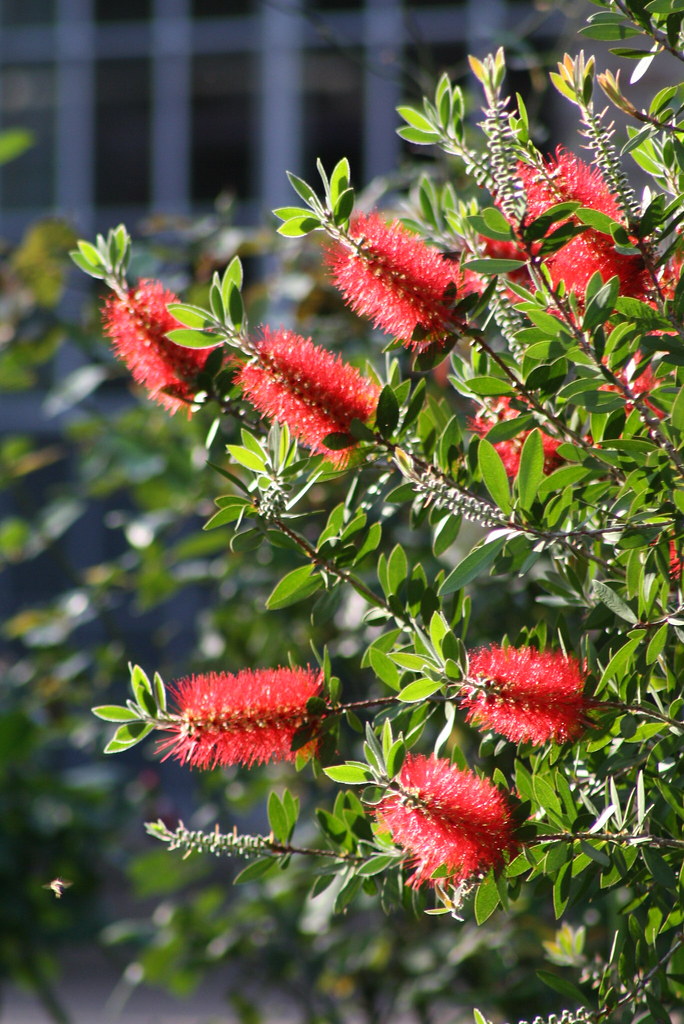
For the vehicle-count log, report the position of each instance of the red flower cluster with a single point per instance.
(397, 281)
(676, 562)
(448, 817)
(529, 695)
(247, 719)
(137, 326)
(509, 451)
(311, 390)
(566, 178)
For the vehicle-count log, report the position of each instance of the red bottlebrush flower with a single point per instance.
(247, 719)
(528, 695)
(311, 390)
(137, 326)
(448, 817)
(509, 451)
(398, 281)
(567, 178)
(676, 562)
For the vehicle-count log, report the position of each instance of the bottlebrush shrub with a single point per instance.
(565, 586)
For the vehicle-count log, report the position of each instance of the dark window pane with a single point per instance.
(333, 102)
(122, 132)
(27, 101)
(422, 66)
(122, 10)
(221, 8)
(334, 5)
(26, 12)
(223, 121)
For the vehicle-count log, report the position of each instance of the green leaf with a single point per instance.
(531, 471)
(660, 870)
(344, 206)
(287, 212)
(677, 416)
(418, 137)
(297, 226)
(295, 586)
(395, 758)
(486, 266)
(127, 736)
(487, 899)
(374, 865)
(601, 305)
(349, 774)
(257, 869)
(229, 512)
(419, 690)
(277, 819)
(159, 691)
(301, 187)
(247, 458)
(190, 316)
(397, 569)
(494, 474)
(415, 119)
(83, 264)
(474, 563)
(490, 386)
(115, 713)
(186, 338)
(387, 412)
(563, 986)
(610, 599)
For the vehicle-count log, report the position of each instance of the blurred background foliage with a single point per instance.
(103, 561)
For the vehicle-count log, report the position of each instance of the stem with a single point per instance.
(642, 983)
(341, 574)
(618, 839)
(639, 709)
(485, 512)
(654, 33)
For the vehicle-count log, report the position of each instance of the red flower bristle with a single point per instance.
(248, 718)
(676, 562)
(566, 178)
(510, 451)
(401, 284)
(137, 326)
(527, 695)
(448, 817)
(311, 390)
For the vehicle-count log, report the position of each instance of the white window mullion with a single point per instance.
(74, 113)
(281, 99)
(383, 38)
(171, 86)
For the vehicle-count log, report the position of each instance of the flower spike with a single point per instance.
(311, 390)
(248, 718)
(448, 818)
(527, 695)
(403, 285)
(565, 178)
(138, 325)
